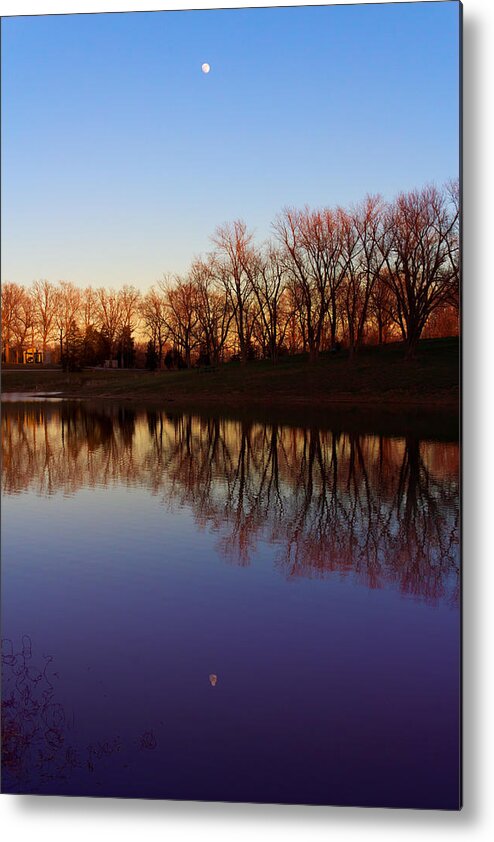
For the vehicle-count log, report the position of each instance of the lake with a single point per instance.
(208, 608)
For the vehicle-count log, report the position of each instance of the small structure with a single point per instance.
(25, 356)
(32, 355)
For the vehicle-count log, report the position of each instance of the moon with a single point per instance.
(205, 67)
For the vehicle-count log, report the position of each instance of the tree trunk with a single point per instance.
(411, 343)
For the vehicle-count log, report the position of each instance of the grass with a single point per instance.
(377, 377)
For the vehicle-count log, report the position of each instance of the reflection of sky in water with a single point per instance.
(332, 687)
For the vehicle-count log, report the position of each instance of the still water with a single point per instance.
(204, 608)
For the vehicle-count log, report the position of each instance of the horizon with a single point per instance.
(172, 278)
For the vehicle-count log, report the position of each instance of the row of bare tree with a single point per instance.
(46, 314)
(375, 271)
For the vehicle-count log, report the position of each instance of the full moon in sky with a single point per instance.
(205, 67)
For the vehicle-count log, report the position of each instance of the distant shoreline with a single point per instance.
(379, 381)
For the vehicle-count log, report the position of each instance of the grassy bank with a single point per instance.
(376, 378)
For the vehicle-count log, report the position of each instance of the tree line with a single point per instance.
(327, 277)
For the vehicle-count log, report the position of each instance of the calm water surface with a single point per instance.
(200, 608)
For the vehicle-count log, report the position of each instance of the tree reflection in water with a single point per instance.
(39, 740)
(383, 509)
(34, 727)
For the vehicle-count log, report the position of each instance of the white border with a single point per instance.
(78, 819)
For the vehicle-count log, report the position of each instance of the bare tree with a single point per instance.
(364, 248)
(153, 314)
(180, 314)
(269, 283)
(312, 253)
(129, 304)
(213, 307)
(421, 273)
(129, 307)
(453, 199)
(24, 323)
(381, 307)
(12, 295)
(69, 302)
(109, 309)
(45, 301)
(235, 255)
(89, 308)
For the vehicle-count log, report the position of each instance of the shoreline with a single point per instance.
(439, 421)
(377, 383)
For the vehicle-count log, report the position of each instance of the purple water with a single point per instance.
(200, 608)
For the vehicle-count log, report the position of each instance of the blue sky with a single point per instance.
(120, 157)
